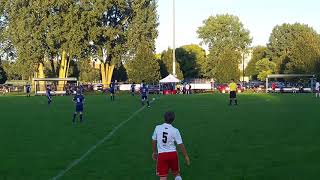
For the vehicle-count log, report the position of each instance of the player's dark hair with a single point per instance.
(169, 117)
(232, 79)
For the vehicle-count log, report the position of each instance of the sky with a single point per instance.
(258, 16)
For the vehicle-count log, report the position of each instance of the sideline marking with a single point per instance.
(107, 137)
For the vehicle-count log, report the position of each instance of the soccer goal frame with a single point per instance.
(274, 76)
(40, 85)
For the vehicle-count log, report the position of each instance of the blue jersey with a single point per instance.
(48, 92)
(78, 99)
(144, 91)
(28, 88)
(81, 89)
(112, 87)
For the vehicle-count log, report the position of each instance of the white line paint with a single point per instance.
(107, 137)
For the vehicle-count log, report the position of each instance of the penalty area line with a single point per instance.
(92, 148)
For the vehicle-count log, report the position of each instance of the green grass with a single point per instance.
(265, 137)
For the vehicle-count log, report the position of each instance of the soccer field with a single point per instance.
(265, 137)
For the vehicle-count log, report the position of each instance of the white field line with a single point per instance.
(91, 149)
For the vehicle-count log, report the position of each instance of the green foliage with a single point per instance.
(17, 70)
(294, 48)
(191, 59)
(11, 70)
(141, 35)
(224, 30)
(3, 75)
(265, 67)
(258, 53)
(87, 72)
(225, 66)
(143, 26)
(166, 64)
(143, 66)
(227, 39)
(120, 74)
(36, 30)
(305, 55)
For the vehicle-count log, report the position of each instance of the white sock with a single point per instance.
(178, 178)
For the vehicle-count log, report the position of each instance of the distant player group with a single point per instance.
(79, 99)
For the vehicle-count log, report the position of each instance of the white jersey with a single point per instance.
(317, 86)
(166, 136)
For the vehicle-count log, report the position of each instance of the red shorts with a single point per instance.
(167, 161)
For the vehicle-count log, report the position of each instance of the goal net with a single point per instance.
(290, 83)
(58, 86)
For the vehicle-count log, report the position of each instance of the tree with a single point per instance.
(143, 66)
(27, 31)
(120, 74)
(141, 35)
(86, 72)
(64, 31)
(166, 64)
(258, 53)
(226, 66)
(143, 26)
(265, 67)
(11, 70)
(304, 56)
(227, 39)
(191, 59)
(3, 75)
(294, 48)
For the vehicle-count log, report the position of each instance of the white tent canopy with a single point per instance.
(170, 79)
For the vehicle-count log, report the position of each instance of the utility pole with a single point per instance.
(174, 40)
(243, 54)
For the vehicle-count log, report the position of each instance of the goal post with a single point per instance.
(58, 85)
(311, 77)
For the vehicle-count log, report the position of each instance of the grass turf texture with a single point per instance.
(265, 137)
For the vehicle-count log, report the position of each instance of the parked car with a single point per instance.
(154, 89)
(98, 87)
(241, 88)
(224, 88)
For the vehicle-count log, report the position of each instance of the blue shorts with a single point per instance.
(144, 97)
(79, 108)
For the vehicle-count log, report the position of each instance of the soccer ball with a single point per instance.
(153, 99)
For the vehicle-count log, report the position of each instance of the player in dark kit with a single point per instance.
(28, 90)
(133, 86)
(144, 94)
(112, 90)
(78, 100)
(48, 94)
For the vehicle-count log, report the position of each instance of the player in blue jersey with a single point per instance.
(28, 89)
(133, 87)
(81, 88)
(48, 94)
(144, 94)
(79, 101)
(112, 90)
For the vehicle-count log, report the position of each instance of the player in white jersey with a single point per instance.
(317, 89)
(164, 149)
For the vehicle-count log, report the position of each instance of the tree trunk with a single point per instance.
(63, 69)
(106, 74)
(42, 84)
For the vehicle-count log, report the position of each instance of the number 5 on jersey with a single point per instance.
(165, 137)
